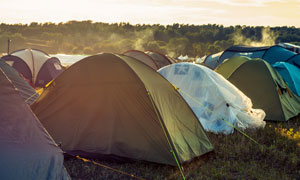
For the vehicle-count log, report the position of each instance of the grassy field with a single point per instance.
(234, 157)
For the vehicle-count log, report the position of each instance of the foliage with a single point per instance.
(234, 157)
(87, 37)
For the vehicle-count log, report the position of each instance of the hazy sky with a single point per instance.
(226, 12)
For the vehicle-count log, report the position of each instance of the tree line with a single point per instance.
(87, 37)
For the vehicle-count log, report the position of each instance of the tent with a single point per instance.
(27, 151)
(35, 65)
(215, 101)
(160, 59)
(143, 57)
(264, 85)
(290, 74)
(212, 59)
(110, 104)
(153, 59)
(25, 90)
(271, 54)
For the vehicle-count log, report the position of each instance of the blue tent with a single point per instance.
(271, 54)
(290, 74)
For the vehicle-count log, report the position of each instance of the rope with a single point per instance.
(105, 166)
(165, 133)
(219, 116)
(31, 97)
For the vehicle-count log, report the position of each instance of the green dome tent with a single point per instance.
(264, 85)
(116, 105)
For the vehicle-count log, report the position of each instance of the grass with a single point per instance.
(234, 157)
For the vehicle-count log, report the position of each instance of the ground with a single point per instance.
(235, 157)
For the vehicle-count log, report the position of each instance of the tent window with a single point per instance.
(57, 66)
(11, 63)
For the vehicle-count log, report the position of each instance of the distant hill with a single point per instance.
(87, 37)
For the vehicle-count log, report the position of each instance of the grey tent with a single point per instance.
(160, 59)
(26, 91)
(27, 151)
(143, 57)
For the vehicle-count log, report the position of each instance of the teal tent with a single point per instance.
(290, 74)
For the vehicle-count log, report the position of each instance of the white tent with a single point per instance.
(36, 66)
(29, 56)
(214, 100)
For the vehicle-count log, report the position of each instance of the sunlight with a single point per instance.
(228, 12)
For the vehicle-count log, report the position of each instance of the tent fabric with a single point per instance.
(214, 100)
(26, 91)
(264, 85)
(277, 54)
(290, 74)
(172, 60)
(18, 64)
(32, 62)
(50, 69)
(295, 60)
(143, 57)
(202, 64)
(160, 59)
(27, 151)
(271, 54)
(103, 101)
(212, 59)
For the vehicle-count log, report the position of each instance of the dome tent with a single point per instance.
(35, 65)
(264, 85)
(153, 59)
(143, 57)
(26, 91)
(214, 100)
(129, 110)
(271, 54)
(160, 59)
(212, 59)
(27, 151)
(290, 74)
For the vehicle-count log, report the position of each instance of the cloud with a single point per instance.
(242, 3)
(226, 12)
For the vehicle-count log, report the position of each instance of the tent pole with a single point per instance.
(8, 44)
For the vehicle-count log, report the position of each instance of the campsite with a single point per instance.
(146, 90)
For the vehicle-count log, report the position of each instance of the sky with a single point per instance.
(198, 12)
